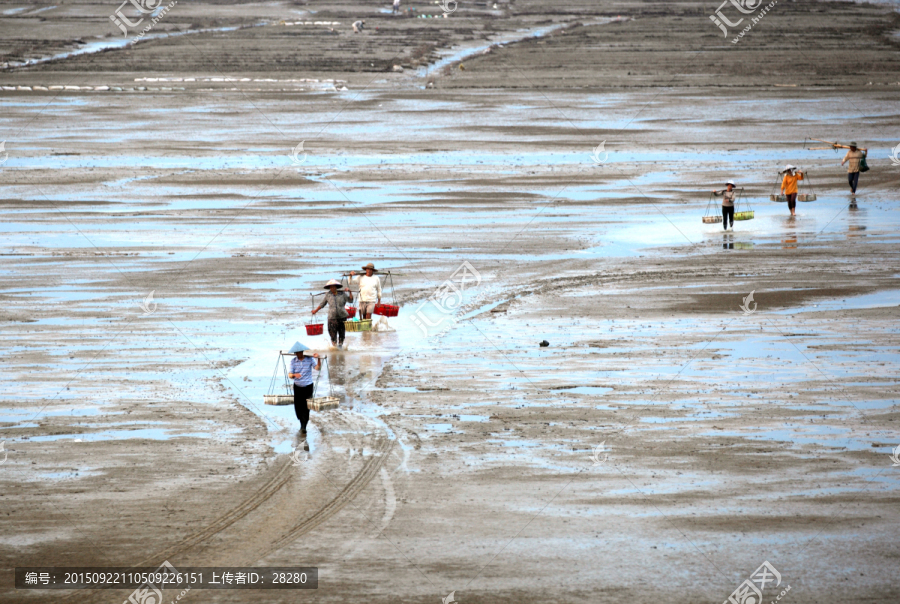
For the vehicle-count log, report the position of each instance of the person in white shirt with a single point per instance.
(369, 290)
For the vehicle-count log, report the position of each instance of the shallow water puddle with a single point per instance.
(140, 433)
(594, 390)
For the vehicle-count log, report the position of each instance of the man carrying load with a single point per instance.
(337, 314)
(789, 186)
(728, 195)
(854, 160)
(369, 287)
(302, 366)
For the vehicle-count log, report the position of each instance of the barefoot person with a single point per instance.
(369, 287)
(789, 186)
(727, 195)
(301, 372)
(853, 158)
(336, 301)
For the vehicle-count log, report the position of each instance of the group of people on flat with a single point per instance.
(301, 370)
(791, 176)
(337, 299)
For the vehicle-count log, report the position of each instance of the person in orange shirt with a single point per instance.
(789, 186)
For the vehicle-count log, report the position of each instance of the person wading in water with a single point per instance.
(336, 302)
(301, 372)
(789, 186)
(853, 159)
(727, 195)
(369, 287)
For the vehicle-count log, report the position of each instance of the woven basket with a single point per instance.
(364, 325)
(746, 215)
(712, 219)
(278, 399)
(806, 197)
(777, 197)
(323, 403)
(315, 329)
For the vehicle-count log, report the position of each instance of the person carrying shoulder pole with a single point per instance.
(301, 372)
(789, 186)
(853, 158)
(727, 194)
(369, 287)
(336, 302)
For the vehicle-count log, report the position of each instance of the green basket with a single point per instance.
(363, 325)
(746, 215)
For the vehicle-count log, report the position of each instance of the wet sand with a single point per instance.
(661, 448)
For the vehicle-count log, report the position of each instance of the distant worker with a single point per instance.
(336, 302)
(301, 372)
(789, 186)
(727, 195)
(369, 287)
(396, 6)
(358, 26)
(853, 158)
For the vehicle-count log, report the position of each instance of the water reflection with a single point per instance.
(354, 370)
(728, 243)
(790, 240)
(855, 226)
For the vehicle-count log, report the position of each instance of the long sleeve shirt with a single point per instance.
(853, 158)
(336, 304)
(789, 182)
(727, 197)
(369, 288)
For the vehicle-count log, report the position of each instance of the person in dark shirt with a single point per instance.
(336, 301)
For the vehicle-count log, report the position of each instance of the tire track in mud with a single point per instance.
(371, 469)
(281, 476)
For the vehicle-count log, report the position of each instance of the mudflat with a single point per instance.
(709, 400)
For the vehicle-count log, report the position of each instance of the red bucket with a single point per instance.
(351, 311)
(314, 329)
(388, 310)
